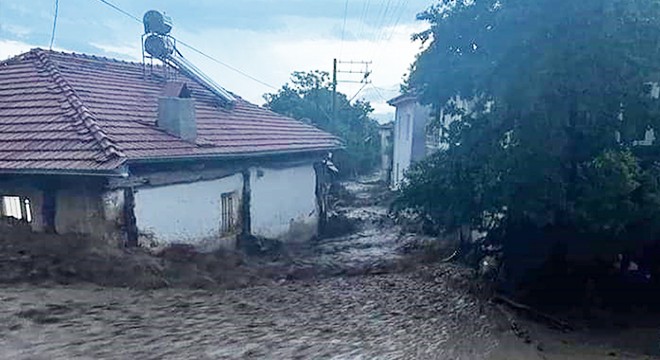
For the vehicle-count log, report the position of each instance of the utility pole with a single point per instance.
(364, 71)
(334, 90)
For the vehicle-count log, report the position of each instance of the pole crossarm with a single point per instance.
(363, 70)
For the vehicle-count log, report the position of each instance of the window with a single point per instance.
(17, 207)
(227, 221)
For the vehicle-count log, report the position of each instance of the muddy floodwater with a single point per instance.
(385, 317)
(393, 316)
(346, 298)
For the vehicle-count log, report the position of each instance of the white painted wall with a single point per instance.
(186, 213)
(282, 206)
(386, 148)
(402, 141)
(409, 137)
(413, 143)
(283, 202)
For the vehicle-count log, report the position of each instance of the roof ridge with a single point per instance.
(85, 56)
(86, 119)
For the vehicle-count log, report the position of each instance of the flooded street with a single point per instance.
(342, 180)
(385, 317)
(363, 307)
(338, 309)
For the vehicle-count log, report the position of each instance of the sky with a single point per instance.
(266, 39)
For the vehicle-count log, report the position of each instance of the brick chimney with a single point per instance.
(176, 111)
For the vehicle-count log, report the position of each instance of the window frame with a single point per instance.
(227, 213)
(20, 208)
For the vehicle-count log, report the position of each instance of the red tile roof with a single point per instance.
(72, 112)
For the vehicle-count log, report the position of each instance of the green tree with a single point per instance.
(309, 98)
(559, 90)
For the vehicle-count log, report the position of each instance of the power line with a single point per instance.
(397, 11)
(378, 92)
(377, 51)
(363, 18)
(343, 28)
(225, 64)
(358, 92)
(382, 26)
(52, 33)
(382, 19)
(121, 10)
(117, 8)
(403, 7)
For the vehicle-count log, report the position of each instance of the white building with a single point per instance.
(410, 135)
(414, 138)
(386, 145)
(145, 154)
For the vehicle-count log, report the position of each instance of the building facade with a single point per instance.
(409, 136)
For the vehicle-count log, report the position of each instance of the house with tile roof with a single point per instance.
(138, 153)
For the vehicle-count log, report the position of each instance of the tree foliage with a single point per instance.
(309, 98)
(559, 92)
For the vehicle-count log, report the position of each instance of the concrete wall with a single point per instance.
(186, 213)
(112, 203)
(84, 206)
(283, 202)
(78, 210)
(81, 205)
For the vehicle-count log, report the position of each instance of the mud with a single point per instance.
(27, 257)
(363, 295)
(421, 314)
(386, 317)
(375, 244)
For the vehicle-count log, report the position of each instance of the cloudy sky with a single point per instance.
(266, 39)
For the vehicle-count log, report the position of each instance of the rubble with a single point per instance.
(37, 258)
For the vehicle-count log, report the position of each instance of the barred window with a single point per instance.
(227, 221)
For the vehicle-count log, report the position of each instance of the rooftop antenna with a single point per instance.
(158, 44)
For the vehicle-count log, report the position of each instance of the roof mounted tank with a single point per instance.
(160, 45)
(156, 23)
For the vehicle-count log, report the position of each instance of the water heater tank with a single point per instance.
(158, 46)
(156, 23)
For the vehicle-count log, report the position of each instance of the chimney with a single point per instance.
(176, 111)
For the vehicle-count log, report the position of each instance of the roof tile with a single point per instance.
(62, 111)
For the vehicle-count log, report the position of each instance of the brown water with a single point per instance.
(421, 313)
